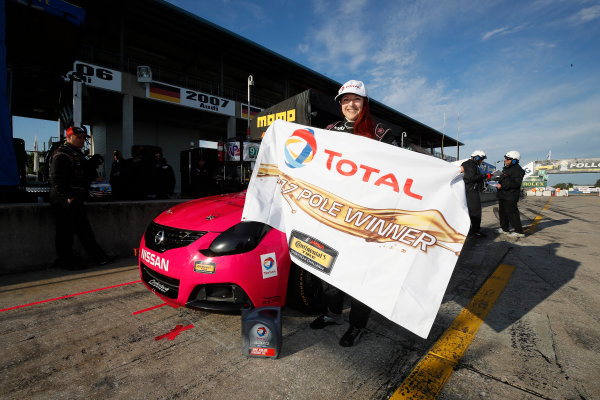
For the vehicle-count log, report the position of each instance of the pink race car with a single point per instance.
(200, 255)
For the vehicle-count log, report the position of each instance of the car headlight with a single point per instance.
(240, 238)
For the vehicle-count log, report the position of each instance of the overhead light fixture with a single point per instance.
(144, 74)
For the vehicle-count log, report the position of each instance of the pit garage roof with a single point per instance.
(181, 48)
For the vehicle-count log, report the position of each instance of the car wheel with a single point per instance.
(304, 291)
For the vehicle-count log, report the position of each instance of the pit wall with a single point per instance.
(27, 231)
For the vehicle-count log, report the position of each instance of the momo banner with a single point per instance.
(384, 224)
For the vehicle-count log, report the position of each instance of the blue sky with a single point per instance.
(524, 75)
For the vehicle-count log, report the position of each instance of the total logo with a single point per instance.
(268, 263)
(300, 148)
(260, 335)
(261, 331)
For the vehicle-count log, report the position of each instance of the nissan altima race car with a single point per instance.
(199, 254)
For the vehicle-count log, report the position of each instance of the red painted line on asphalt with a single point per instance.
(149, 309)
(174, 332)
(69, 295)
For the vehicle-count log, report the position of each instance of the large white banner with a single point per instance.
(384, 224)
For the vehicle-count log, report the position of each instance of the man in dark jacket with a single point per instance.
(474, 183)
(68, 190)
(163, 177)
(119, 176)
(509, 190)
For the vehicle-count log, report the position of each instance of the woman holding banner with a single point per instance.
(354, 102)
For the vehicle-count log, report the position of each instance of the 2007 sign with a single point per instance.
(207, 102)
(204, 98)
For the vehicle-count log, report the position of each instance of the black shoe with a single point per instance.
(323, 321)
(351, 337)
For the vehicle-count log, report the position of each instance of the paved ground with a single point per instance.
(541, 339)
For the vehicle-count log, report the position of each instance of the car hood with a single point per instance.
(212, 214)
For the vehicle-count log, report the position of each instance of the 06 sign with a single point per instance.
(100, 77)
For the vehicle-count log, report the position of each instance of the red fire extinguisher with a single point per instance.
(220, 153)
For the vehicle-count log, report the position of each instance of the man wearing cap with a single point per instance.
(68, 190)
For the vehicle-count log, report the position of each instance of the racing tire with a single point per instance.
(304, 291)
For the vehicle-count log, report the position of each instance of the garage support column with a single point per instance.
(61, 130)
(231, 128)
(77, 112)
(127, 125)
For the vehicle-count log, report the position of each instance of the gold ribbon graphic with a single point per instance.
(419, 229)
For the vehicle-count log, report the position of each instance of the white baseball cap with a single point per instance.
(356, 87)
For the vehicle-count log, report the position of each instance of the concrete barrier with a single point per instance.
(27, 231)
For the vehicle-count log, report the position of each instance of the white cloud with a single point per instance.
(585, 15)
(512, 94)
(493, 33)
(502, 31)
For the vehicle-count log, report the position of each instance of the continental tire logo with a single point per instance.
(312, 252)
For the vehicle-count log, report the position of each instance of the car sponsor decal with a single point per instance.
(154, 260)
(271, 300)
(268, 264)
(158, 286)
(205, 267)
(312, 251)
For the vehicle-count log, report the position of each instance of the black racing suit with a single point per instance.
(474, 181)
(332, 296)
(68, 180)
(508, 195)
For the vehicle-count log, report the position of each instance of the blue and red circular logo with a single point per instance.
(261, 331)
(300, 148)
(268, 263)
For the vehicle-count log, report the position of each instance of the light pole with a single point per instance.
(250, 83)
(402, 139)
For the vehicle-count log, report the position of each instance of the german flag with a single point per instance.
(253, 111)
(165, 92)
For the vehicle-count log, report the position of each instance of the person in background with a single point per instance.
(118, 176)
(474, 184)
(354, 102)
(203, 179)
(93, 163)
(164, 177)
(68, 191)
(509, 190)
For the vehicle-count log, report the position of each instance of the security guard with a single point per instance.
(474, 184)
(68, 190)
(509, 191)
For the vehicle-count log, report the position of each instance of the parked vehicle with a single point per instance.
(200, 255)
